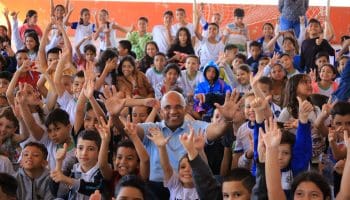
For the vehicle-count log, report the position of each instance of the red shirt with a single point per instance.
(30, 77)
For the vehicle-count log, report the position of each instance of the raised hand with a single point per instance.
(327, 107)
(319, 40)
(273, 135)
(157, 137)
(222, 58)
(332, 135)
(51, 69)
(339, 166)
(230, 106)
(104, 129)
(89, 88)
(61, 152)
(14, 15)
(259, 104)
(70, 8)
(261, 147)
(57, 176)
(21, 96)
(305, 108)
(6, 12)
(26, 66)
(96, 195)
(89, 71)
(274, 58)
(112, 99)
(253, 79)
(110, 65)
(130, 128)
(198, 139)
(187, 140)
(312, 75)
(132, 28)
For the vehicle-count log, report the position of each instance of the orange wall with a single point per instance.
(126, 13)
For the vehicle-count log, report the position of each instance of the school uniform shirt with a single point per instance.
(189, 85)
(31, 138)
(160, 89)
(177, 26)
(205, 31)
(318, 142)
(242, 143)
(112, 37)
(69, 104)
(276, 110)
(243, 88)
(86, 176)
(6, 165)
(295, 72)
(285, 115)
(177, 191)
(82, 31)
(316, 89)
(160, 36)
(209, 51)
(240, 40)
(85, 184)
(52, 148)
(154, 76)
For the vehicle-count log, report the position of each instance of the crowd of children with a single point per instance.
(186, 112)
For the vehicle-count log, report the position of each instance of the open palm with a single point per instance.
(113, 101)
(230, 106)
(157, 137)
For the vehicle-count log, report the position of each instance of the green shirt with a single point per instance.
(139, 42)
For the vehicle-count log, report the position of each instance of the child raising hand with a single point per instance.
(181, 184)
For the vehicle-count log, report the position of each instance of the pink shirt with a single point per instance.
(25, 27)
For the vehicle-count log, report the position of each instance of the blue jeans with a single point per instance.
(286, 24)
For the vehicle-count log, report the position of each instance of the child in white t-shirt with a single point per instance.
(155, 73)
(83, 28)
(162, 33)
(181, 18)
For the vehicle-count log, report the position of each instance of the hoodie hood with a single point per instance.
(213, 65)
